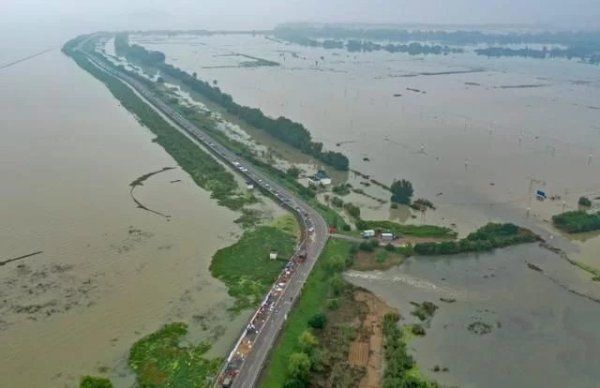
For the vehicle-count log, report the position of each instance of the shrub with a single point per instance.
(337, 202)
(95, 382)
(577, 221)
(318, 321)
(585, 202)
(353, 210)
(417, 329)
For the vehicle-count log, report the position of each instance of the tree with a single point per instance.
(308, 341)
(318, 321)
(293, 172)
(402, 190)
(299, 366)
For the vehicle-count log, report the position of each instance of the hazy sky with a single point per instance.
(249, 14)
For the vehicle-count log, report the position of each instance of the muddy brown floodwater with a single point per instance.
(109, 272)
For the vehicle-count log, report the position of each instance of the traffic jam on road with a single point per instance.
(261, 316)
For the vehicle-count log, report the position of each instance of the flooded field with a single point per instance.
(109, 271)
(477, 137)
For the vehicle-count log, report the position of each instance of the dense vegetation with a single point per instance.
(95, 382)
(202, 167)
(486, 238)
(398, 363)
(159, 360)
(245, 266)
(402, 191)
(407, 230)
(577, 221)
(282, 128)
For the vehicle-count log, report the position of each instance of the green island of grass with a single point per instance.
(160, 360)
(408, 230)
(486, 238)
(95, 382)
(577, 221)
(245, 266)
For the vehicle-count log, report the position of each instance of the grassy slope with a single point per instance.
(288, 223)
(311, 302)
(245, 266)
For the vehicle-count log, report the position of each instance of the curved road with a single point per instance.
(314, 227)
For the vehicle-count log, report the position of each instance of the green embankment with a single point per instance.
(160, 360)
(408, 230)
(577, 221)
(202, 167)
(314, 299)
(486, 238)
(287, 223)
(245, 266)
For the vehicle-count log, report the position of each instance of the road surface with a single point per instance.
(315, 231)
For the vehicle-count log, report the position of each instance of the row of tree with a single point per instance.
(282, 128)
(354, 45)
(454, 37)
(588, 55)
(486, 238)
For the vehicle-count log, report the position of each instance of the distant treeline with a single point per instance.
(282, 128)
(581, 45)
(587, 55)
(353, 45)
(453, 38)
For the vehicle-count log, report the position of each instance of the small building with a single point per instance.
(250, 185)
(273, 255)
(368, 233)
(320, 178)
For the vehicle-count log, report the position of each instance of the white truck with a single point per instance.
(368, 233)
